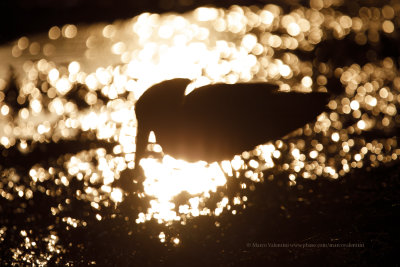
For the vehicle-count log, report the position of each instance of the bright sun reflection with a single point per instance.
(169, 177)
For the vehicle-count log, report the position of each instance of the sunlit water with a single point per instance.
(83, 82)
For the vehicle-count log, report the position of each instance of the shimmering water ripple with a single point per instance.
(58, 101)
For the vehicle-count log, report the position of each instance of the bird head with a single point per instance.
(159, 105)
(162, 97)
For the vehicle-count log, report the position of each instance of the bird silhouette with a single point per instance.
(217, 121)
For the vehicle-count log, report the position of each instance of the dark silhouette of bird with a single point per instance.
(217, 121)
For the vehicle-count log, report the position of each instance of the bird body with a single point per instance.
(216, 122)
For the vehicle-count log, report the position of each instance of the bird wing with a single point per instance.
(248, 113)
(225, 113)
(225, 103)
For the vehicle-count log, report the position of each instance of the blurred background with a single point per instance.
(23, 17)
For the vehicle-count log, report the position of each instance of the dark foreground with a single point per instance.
(350, 221)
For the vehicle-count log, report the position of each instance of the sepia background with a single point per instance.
(72, 71)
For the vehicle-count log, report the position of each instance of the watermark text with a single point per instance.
(304, 245)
